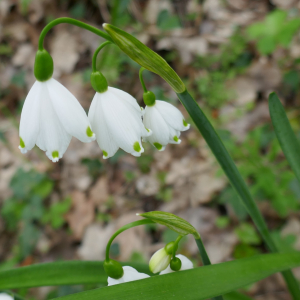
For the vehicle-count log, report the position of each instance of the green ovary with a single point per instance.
(185, 123)
(22, 144)
(55, 154)
(137, 147)
(105, 153)
(158, 146)
(89, 132)
(175, 138)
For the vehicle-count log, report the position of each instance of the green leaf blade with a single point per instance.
(235, 178)
(59, 273)
(284, 132)
(199, 283)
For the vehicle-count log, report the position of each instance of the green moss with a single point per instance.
(158, 146)
(137, 147)
(22, 144)
(89, 132)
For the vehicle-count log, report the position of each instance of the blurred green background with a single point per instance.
(230, 54)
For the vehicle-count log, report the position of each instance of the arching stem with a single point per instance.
(73, 22)
(142, 80)
(94, 61)
(125, 227)
(176, 245)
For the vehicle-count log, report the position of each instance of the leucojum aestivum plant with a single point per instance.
(52, 115)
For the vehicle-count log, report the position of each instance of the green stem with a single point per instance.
(203, 253)
(73, 22)
(205, 258)
(176, 245)
(235, 178)
(94, 60)
(142, 80)
(125, 227)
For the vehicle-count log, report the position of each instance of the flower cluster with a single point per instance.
(51, 116)
(161, 261)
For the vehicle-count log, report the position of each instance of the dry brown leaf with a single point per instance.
(81, 214)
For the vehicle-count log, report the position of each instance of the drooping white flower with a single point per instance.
(159, 260)
(116, 119)
(186, 264)
(4, 296)
(166, 123)
(51, 115)
(130, 274)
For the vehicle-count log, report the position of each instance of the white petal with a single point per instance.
(166, 271)
(125, 126)
(69, 111)
(131, 275)
(104, 138)
(160, 129)
(128, 98)
(186, 264)
(30, 116)
(52, 136)
(174, 136)
(159, 261)
(112, 281)
(171, 115)
(4, 296)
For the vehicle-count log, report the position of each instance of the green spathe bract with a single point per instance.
(145, 57)
(171, 221)
(43, 65)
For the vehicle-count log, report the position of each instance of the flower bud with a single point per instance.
(161, 258)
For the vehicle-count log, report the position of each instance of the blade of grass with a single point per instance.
(59, 273)
(199, 283)
(235, 178)
(285, 135)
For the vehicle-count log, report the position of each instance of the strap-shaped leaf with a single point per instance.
(196, 284)
(217, 147)
(59, 273)
(284, 132)
(171, 221)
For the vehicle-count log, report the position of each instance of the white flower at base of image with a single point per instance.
(186, 264)
(116, 119)
(159, 260)
(51, 115)
(166, 123)
(4, 296)
(130, 274)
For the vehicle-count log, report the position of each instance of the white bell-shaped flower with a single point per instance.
(159, 260)
(130, 274)
(51, 115)
(116, 119)
(4, 296)
(166, 123)
(186, 264)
